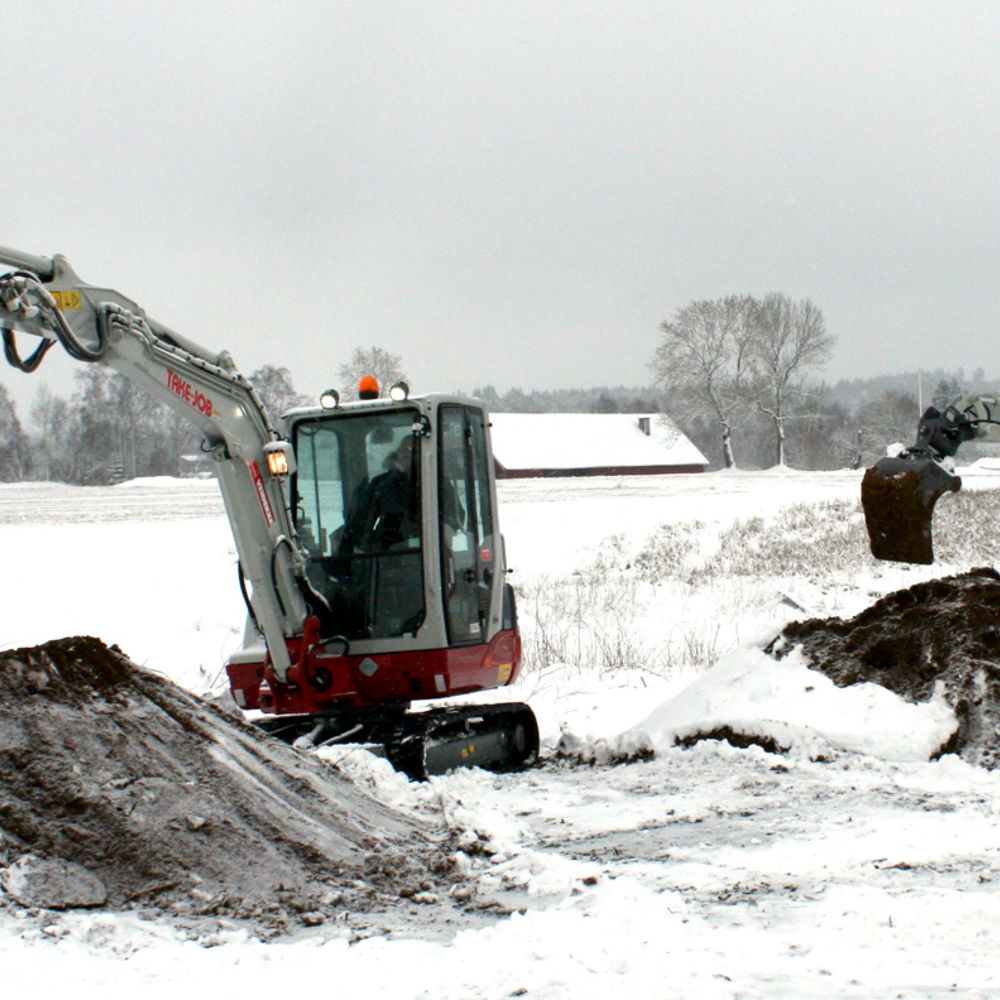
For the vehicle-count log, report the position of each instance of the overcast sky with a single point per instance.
(513, 194)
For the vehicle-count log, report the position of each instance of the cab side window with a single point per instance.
(466, 523)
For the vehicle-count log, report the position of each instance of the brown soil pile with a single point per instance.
(118, 788)
(945, 630)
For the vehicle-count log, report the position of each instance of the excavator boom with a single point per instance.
(46, 299)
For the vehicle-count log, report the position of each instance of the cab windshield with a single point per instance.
(358, 513)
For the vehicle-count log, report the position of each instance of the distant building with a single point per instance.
(590, 444)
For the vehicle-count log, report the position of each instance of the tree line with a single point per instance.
(739, 375)
(736, 374)
(724, 360)
(599, 399)
(109, 430)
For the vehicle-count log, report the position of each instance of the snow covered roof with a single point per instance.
(567, 442)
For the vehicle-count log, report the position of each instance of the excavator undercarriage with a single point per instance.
(498, 737)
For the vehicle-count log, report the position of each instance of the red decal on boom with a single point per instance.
(187, 392)
(258, 484)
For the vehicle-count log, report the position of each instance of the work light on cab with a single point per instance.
(280, 459)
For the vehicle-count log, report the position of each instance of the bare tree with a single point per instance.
(119, 430)
(128, 404)
(13, 445)
(94, 448)
(788, 339)
(53, 448)
(945, 391)
(890, 419)
(703, 362)
(387, 369)
(274, 386)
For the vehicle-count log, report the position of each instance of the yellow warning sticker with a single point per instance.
(71, 299)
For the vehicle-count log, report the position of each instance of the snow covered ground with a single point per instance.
(850, 867)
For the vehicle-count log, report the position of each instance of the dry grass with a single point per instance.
(694, 581)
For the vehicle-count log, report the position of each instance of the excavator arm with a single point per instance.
(898, 493)
(43, 298)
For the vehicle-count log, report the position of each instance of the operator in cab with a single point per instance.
(385, 512)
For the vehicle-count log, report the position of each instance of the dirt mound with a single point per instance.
(945, 630)
(118, 788)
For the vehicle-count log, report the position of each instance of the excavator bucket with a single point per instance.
(898, 497)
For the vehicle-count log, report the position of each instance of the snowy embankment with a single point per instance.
(849, 867)
(801, 710)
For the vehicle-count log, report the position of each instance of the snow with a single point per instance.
(849, 867)
(801, 706)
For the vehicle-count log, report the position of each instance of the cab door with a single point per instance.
(467, 524)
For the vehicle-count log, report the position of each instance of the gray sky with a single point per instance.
(513, 194)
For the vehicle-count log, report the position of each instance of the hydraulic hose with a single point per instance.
(316, 602)
(246, 597)
(52, 317)
(14, 358)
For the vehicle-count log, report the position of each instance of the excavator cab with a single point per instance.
(395, 503)
(359, 512)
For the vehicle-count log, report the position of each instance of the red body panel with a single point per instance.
(321, 681)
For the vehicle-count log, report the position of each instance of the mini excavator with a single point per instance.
(370, 555)
(898, 493)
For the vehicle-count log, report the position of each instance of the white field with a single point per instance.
(709, 872)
